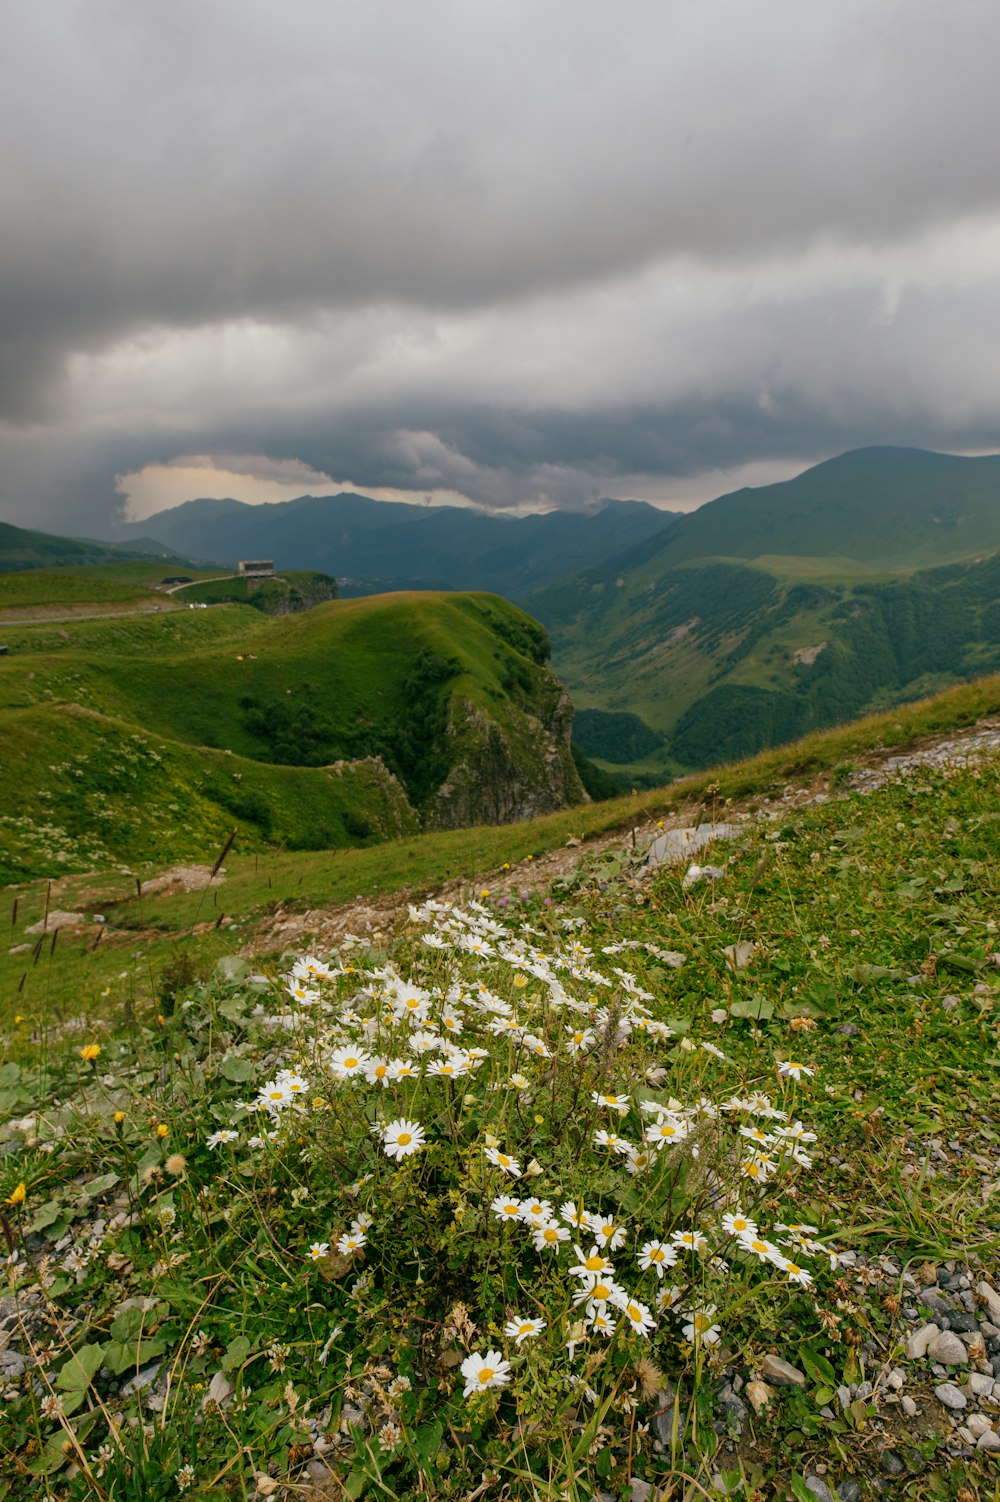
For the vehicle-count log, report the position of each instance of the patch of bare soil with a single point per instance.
(184, 879)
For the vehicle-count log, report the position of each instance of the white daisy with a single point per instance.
(519, 1329)
(481, 1372)
(401, 1138)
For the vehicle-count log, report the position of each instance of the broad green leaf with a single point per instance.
(237, 1352)
(76, 1373)
(237, 1069)
(758, 1007)
(817, 1366)
(101, 1184)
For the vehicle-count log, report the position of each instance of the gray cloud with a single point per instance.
(518, 250)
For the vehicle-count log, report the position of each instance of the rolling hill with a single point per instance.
(774, 611)
(349, 723)
(22, 549)
(379, 544)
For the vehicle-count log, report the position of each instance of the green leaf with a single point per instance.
(237, 1069)
(230, 970)
(9, 1074)
(129, 1355)
(817, 1366)
(75, 1375)
(46, 1215)
(237, 1352)
(758, 1007)
(427, 1440)
(100, 1185)
(800, 1491)
(863, 975)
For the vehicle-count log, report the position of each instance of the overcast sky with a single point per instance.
(519, 253)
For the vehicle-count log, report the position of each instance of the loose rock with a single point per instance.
(781, 1373)
(917, 1343)
(948, 1394)
(946, 1347)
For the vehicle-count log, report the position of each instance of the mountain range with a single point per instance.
(868, 580)
(375, 546)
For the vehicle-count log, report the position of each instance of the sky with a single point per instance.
(518, 254)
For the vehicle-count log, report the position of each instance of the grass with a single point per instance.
(142, 938)
(220, 1263)
(414, 679)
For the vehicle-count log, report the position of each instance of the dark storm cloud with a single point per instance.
(343, 173)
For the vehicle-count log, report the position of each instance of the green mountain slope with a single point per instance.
(380, 544)
(880, 507)
(23, 549)
(447, 697)
(725, 635)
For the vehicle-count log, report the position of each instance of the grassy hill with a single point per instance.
(22, 549)
(838, 1088)
(225, 715)
(879, 507)
(735, 630)
(378, 543)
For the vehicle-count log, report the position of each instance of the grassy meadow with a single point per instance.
(335, 1221)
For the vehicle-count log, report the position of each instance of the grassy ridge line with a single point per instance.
(144, 936)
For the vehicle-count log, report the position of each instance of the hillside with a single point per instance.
(22, 549)
(882, 508)
(774, 611)
(205, 1162)
(379, 544)
(351, 722)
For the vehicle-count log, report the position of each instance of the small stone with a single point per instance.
(965, 1436)
(818, 1487)
(908, 1406)
(864, 1391)
(980, 1384)
(141, 1379)
(989, 1440)
(917, 1343)
(896, 1378)
(927, 1274)
(663, 1415)
(948, 1348)
(991, 1299)
(773, 1369)
(948, 1394)
(641, 1490)
(849, 1490)
(977, 1425)
(847, 1030)
(844, 1397)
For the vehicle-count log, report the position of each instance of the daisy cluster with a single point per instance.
(501, 1022)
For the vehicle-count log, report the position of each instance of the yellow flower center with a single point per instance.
(550, 1235)
(656, 1255)
(701, 1322)
(633, 1311)
(526, 1328)
(601, 1291)
(404, 1138)
(350, 1063)
(447, 1069)
(503, 1160)
(758, 1246)
(594, 1264)
(381, 1070)
(486, 1375)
